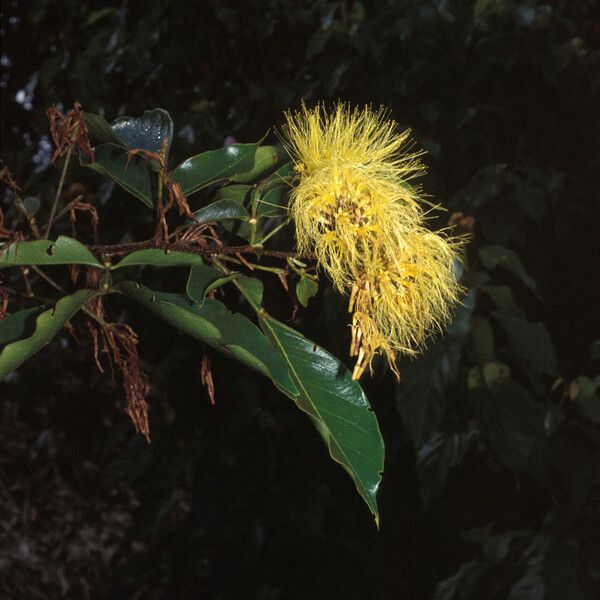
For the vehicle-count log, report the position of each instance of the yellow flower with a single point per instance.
(355, 208)
(354, 173)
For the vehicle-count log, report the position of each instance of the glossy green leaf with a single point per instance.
(204, 169)
(306, 288)
(236, 192)
(47, 325)
(99, 128)
(336, 404)
(266, 159)
(203, 279)
(15, 326)
(252, 289)
(219, 211)
(134, 175)
(283, 175)
(241, 195)
(270, 195)
(156, 257)
(63, 251)
(213, 324)
(153, 131)
(274, 202)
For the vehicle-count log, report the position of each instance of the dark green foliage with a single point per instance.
(491, 486)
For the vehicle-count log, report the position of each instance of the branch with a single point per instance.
(120, 249)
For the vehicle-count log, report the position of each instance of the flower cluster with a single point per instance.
(354, 206)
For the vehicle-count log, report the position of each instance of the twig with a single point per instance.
(120, 249)
(14, 292)
(67, 208)
(62, 290)
(25, 273)
(58, 192)
(28, 217)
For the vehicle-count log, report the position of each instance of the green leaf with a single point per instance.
(64, 251)
(498, 256)
(273, 203)
(502, 296)
(512, 422)
(153, 131)
(314, 379)
(252, 289)
(213, 324)
(220, 210)
(99, 128)
(306, 288)
(204, 169)
(531, 343)
(336, 404)
(266, 159)
(47, 325)
(271, 194)
(156, 257)
(15, 326)
(283, 175)
(135, 176)
(235, 192)
(203, 279)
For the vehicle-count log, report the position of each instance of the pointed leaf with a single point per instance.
(204, 279)
(100, 129)
(274, 202)
(213, 324)
(15, 326)
(306, 288)
(156, 257)
(152, 131)
(134, 175)
(63, 251)
(235, 192)
(204, 169)
(265, 160)
(337, 405)
(252, 289)
(47, 325)
(283, 175)
(219, 211)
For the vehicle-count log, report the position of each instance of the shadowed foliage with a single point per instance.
(491, 487)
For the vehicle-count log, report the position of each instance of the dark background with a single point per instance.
(492, 480)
